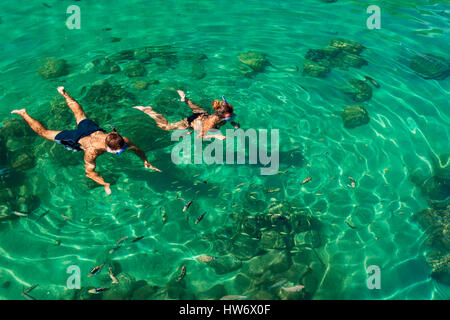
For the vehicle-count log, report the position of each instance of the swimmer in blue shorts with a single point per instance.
(88, 136)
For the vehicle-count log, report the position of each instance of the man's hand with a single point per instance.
(107, 189)
(149, 166)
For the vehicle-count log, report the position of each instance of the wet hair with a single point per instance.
(114, 141)
(222, 108)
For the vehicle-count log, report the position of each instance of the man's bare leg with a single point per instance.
(73, 105)
(161, 121)
(36, 125)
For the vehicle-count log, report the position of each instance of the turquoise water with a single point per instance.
(408, 135)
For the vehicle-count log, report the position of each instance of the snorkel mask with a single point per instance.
(229, 118)
(124, 147)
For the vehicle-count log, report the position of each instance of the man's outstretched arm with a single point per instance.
(89, 161)
(140, 154)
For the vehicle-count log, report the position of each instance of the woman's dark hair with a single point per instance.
(222, 108)
(114, 141)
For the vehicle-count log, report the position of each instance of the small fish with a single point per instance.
(27, 296)
(46, 5)
(42, 215)
(200, 218)
(106, 29)
(164, 217)
(96, 270)
(273, 190)
(233, 297)
(352, 182)
(97, 290)
(278, 284)
(182, 274)
(111, 275)
(114, 249)
(121, 240)
(28, 290)
(205, 258)
(372, 81)
(307, 180)
(137, 239)
(297, 288)
(351, 226)
(66, 218)
(20, 214)
(187, 205)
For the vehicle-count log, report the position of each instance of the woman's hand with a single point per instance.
(219, 136)
(149, 166)
(107, 189)
(182, 95)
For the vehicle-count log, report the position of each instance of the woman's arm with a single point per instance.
(207, 125)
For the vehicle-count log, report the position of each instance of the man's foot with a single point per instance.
(61, 91)
(182, 95)
(143, 109)
(20, 112)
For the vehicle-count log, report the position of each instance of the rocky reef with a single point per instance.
(254, 60)
(358, 90)
(104, 92)
(339, 53)
(53, 68)
(104, 66)
(435, 220)
(430, 66)
(354, 116)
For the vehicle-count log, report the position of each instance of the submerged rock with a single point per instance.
(354, 116)
(143, 84)
(23, 160)
(274, 261)
(358, 90)
(430, 66)
(441, 267)
(253, 59)
(122, 290)
(274, 240)
(437, 187)
(339, 53)
(105, 66)
(145, 292)
(347, 45)
(135, 70)
(225, 264)
(244, 247)
(215, 293)
(103, 93)
(315, 70)
(122, 55)
(53, 68)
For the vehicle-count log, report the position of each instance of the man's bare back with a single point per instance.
(88, 137)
